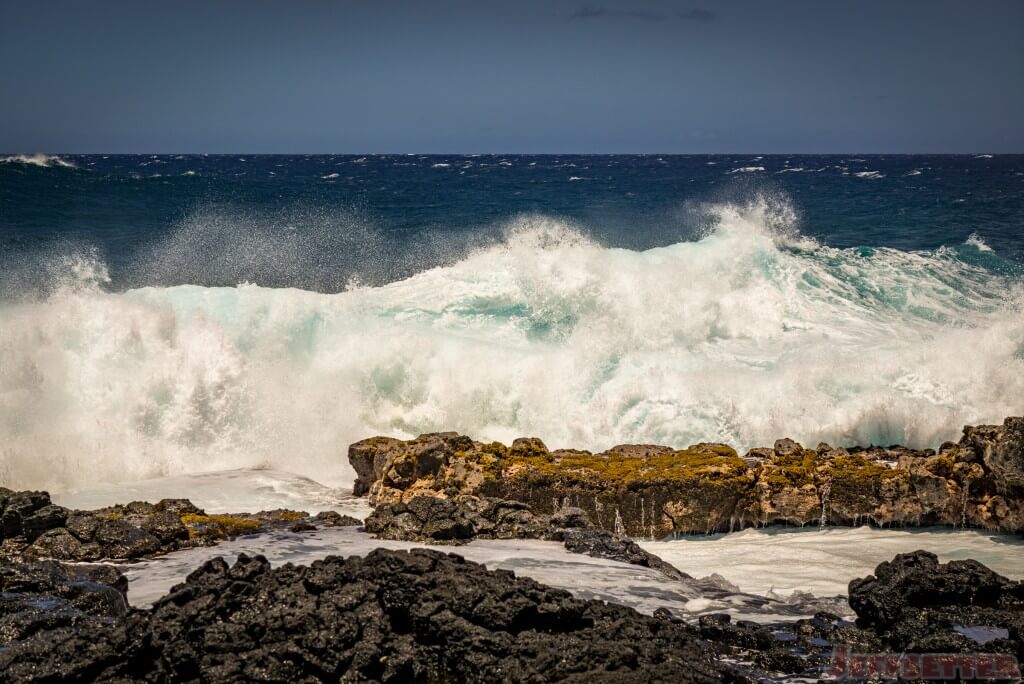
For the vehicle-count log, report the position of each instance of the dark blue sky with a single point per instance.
(522, 76)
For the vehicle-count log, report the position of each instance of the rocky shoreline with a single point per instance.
(33, 527)
(423, 615)
(654, 491)
(426, 616)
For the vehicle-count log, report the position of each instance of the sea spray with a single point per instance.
(748, 334)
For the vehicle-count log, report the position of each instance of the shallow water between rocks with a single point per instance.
(766, 575)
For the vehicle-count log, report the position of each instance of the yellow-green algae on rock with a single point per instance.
(653, 491)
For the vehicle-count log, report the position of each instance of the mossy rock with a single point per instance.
(218, 526)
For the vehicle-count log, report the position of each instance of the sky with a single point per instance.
(559, 76)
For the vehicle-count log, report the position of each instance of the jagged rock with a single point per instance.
(335, 519)
(33, 528)
(653, 491)
(42, 596)
(915, 603)
(424, 518)
(604, 544)
(120, 539)
(456, 521)
(391, 617)
(15, 507)
(46, 518)
(1000, 448)
(59, 544)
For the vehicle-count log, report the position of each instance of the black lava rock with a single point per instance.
(389, 617)
(914, 603)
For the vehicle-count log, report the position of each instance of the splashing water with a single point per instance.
(746, 335)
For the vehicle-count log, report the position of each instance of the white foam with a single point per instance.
(747, 169)
(975, 240)
(547, 562)
(41, 160)
(787, 560)
(869, 174)
(330, 176)
(747, 335)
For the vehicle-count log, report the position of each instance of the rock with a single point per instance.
(570, 517)
(424, 518)
(43, 596)
(389, 617)
(335, 519)
(915, 603)
(16, 507)
(59, 544)
(1001, 449)
(166, 526)
(46, 518)
(604, 544)
(34, 528)
(82, 525)
(435, 520)
(654, 491)
(120, 539)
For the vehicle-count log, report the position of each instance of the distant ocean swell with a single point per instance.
(750, 333)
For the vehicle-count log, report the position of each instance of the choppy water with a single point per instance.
(767, 575)
(758, 578)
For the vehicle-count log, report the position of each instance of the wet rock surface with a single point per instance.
(654, 491)
(37, 597)
(389, 617)
(428, 616)
(437, 520)
(915, 603)
(33, 528)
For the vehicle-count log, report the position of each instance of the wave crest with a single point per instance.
(750, 333)
(41, 160)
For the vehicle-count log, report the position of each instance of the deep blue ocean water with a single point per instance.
(164, 315)
(316, 221)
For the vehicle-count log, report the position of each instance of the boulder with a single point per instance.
(916, 603)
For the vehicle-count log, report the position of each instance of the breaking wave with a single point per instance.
(41, 160)
(747, 334)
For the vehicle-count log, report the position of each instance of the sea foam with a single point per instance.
(748, 334)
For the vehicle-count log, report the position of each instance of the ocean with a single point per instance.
(222, 328)
(162, 315)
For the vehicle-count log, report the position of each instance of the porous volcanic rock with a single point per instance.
(37, 597)
(915, 603)
(393, 616)
(436, 520)
(654, 491)
(34, 528)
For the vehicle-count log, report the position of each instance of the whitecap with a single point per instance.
(41, 160)
(974, 240)
(869, 174)
(750, 333)
(747, 169)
